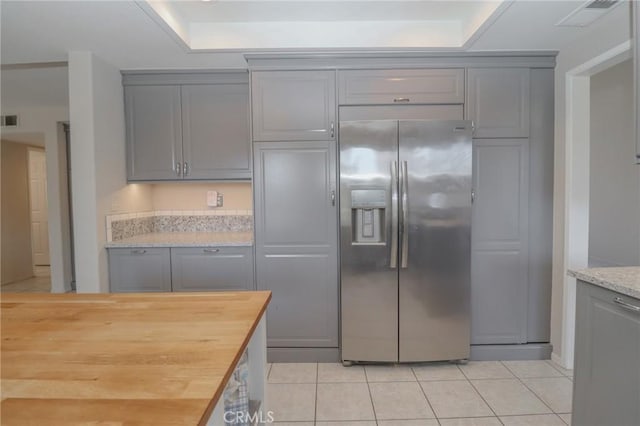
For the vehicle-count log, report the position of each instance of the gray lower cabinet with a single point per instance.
(180, 269)
(498, 102)
(499, 250)
(293, 105)
(212, 268)
(296, 241)
(139, 270)
(154, 132)
(606, 384)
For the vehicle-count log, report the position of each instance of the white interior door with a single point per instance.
(38, 200)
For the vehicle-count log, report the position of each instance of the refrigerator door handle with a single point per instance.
(393, 256)
(404, 177)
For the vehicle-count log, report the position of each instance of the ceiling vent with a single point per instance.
(601, 4)
(9, 120)
(588, 13)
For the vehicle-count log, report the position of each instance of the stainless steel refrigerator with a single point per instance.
(405, 229)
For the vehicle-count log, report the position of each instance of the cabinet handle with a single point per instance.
(178, 169)
(333, 130)
(185, 169)
(625, 305)
(401, 100)
(138, 251)
(211, 250)
(333, 198)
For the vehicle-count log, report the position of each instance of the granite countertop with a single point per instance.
(185, 239)
(622, 280)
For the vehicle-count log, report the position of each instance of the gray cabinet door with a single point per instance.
(428, 86)
(606, 385)
(296, 241)
(499, 259)
(154, 132)
(293, 105)
(212, 268)
(215, 126)
(498, 102)
(139, 270)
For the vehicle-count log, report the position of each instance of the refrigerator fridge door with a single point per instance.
(368, 240)
(435, 223)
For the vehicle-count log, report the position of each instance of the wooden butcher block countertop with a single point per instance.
(161, 358)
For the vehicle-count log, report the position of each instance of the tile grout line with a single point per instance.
(315, 408)
(373, 406)
(481, 397)
(553, 365)
(425, 395)
(530, 390)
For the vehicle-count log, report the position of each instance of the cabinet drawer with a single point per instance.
(212, 268)
(432, 86)
(139, 270)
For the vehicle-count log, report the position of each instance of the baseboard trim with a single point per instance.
(529, 351)
(303, 355)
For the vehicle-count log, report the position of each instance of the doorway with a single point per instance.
(25, 228)
(577, 176)
(37, 171)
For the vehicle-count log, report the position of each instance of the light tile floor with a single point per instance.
(481, 393)
(30, 285)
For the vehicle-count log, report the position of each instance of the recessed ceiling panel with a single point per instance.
(248, 25)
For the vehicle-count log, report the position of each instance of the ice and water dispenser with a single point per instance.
(368, 207)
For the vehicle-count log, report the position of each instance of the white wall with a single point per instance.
(193, 195)
(46, 120)
(571, 167)
(98, 155)
(614, 187)
(16, 256)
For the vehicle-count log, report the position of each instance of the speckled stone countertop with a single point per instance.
(185, 239)
(622, 280)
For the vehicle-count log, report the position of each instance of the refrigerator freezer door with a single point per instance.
(434, 287)
(368, 206)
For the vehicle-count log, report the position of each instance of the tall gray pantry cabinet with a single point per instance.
(296, 228)
(512, 109)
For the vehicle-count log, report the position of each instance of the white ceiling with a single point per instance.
(342, 24)
(127, 36)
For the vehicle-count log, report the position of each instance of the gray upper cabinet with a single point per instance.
(139, 270)
(606, 385)
(296, 241)
(383, 87)
(498, 102)
(212, 268)
(215, 128)
(187, 126)
(154, 132)
(499, 271)
(293, 105)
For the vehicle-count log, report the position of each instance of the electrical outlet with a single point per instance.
(220, 200)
